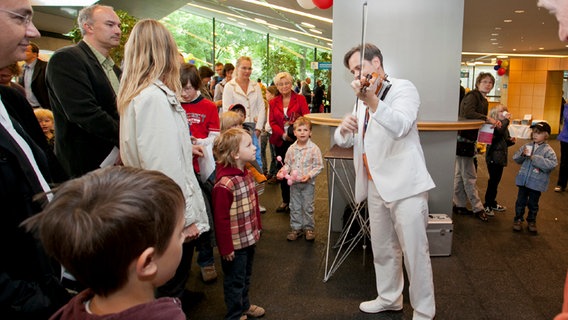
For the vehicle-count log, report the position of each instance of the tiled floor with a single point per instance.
(493, 273)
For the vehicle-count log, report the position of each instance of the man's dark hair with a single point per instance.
(371, 51)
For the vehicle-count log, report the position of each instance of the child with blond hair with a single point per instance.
(237, 220)
(45, 119)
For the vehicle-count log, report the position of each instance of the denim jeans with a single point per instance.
(527, 198)
(237, 282)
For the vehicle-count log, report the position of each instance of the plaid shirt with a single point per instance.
(236, 211)
(307, 160)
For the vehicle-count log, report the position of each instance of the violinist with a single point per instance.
(391, 175)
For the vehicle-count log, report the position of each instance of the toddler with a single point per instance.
(45, 119)
(237, 220)
(537, 159)
(302, 164)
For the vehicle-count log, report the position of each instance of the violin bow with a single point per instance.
(362, 51)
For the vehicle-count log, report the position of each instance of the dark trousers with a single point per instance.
(563, 174)
(284, 187)
(527, 198)
(237, 282)
(495, 174)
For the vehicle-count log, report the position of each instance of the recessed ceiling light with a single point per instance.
(260, 21)
(507, 20)
(494, 43)
(519, 11)
(493, 39)
(514, 49)
(316, 31)
(502, 57)
(309, 25)
(497, 28)
(494, 34)
(541, 48)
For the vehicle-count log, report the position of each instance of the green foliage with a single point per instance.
(194, 36)
(127, 23)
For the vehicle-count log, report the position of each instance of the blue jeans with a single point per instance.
(527, 198)
(237, 282)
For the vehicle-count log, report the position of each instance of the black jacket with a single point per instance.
(29, 287)
(38, 85)
(84, 107)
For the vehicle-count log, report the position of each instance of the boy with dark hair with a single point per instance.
(119, 231)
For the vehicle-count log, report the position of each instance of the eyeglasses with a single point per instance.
(22, 19)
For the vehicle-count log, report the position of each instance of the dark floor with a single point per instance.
(492, 273)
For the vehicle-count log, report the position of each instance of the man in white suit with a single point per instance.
(391, 174)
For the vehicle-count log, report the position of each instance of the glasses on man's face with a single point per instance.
(22, 19)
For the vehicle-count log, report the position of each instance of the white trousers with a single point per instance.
(398, 229)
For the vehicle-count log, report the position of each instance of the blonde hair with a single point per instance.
(281, 76)
(302, 121)
(494, 112)
(150, 54)
(43, 113)
(226, 146)
(230, 119)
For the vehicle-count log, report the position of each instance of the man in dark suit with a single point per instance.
(29, 280)
(33, 79)
(83, 82)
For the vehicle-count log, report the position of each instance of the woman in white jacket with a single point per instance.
(153, 126)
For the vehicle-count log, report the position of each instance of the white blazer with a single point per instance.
(392, 145)
(253, 101)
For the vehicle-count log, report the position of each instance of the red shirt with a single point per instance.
(296, 108)
(203, 118)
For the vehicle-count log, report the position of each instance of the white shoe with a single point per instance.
(375, 306)
(262, 209)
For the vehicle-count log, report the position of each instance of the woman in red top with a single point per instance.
(284, 110)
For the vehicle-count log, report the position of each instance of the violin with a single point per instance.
(382, 88)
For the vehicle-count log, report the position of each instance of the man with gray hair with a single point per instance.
(83, 81)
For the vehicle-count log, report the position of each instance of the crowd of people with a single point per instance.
(143, 164)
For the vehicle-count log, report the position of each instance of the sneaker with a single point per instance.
(262, 209)
(489, 212)
(294, 235)
(498, 208)
(518, 225)
(481, 215)
(255, 311)
(532, 227)
(310, 235)
(558, 189)
(208, 273)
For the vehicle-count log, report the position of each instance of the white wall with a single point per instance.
(420, 41)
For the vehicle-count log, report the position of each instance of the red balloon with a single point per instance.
(499, 62)
(501, 71)
(323, 4)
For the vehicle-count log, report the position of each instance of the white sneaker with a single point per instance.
(262, 209)
(375, 306)
(489, 212)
